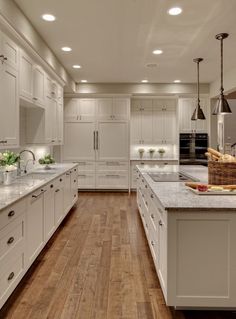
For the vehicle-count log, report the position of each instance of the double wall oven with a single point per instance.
(192, 148)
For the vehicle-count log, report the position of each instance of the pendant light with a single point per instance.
(222, 106)
(198, 112)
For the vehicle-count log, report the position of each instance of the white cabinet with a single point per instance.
(67, 191)
(141, 122)
(80, 110)
(9, 52)
(74, 185)
(32, 77)
(59, 201)
(112, 141)
(49, 210)
(164, 122)
(186, 109)
(35, 225)
(113, 109)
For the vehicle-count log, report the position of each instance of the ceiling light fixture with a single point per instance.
(222, 106)
(66, 49)
(177, 81)
(157, 51)
(84, 81)
(48, 17)
(77, 66)
(175, 11)
(144, 81)
(198, 112)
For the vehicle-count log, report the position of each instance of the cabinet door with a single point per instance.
(169, 126)
(74, 185)
(9, 125)
(67, 192)
(48, 86)
(26, 77)
(87, 110)
(112, 141)
(79, 141)
(105, 109)
(121, 108)
(60, 123)
(11, 52)
(35, 227)
(147, 126)
(186, 108)
(71, 110)
(162, 249)
(38, 86)
(86, 180)
(59, 204)
(60, 94)
(49, 211)
(53, 105)
(158, 125)
(201, 125)
(135, 127)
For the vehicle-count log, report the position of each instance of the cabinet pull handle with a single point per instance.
(67, 174)
(10, 277)
(152, 216)
(94, 143)
(11, 213)
(110, 175)
(10, 240)
(152, 196)
(81, 175)
(146, 203)
(152, 243)
(97, 140)
(5, 58)
(160, 223)
(57, 190)
(35, 98)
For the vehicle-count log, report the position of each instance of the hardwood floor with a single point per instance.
(97, 266)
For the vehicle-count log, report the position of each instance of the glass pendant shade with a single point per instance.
(198, 112)
(222, 106)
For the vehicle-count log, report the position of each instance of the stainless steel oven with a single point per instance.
(192, 148)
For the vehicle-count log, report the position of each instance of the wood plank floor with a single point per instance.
(97, 266)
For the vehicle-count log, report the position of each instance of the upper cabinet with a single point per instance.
(77, 110)
(113, 109)
(186, 109)
(9, 93)
(32, 78)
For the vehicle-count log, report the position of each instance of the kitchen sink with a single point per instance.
(172, 177)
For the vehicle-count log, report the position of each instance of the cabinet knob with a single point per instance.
(10, 240)
(60, 179)
(10, 277)
(51, 185)
(152, 216)
(11, 213)
(160, 223)
(152, 243)
(152, 196)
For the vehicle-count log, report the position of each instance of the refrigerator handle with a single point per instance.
(94, 140)
(97, 140)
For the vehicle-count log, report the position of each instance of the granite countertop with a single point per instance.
(24, 185)
(175, 195)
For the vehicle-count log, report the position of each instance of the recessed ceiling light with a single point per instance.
(66, 49)
(157, 51)
(144, 81)
(77, 66)
(84, 81)
(48, 17)
(174, 11)
(177, 81)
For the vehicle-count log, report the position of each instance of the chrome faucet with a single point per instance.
(18, 164)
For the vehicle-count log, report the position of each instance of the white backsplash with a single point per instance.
(171, 151)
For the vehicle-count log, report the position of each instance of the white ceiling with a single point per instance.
(113, 40)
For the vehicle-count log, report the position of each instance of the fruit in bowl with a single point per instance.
(47, 160)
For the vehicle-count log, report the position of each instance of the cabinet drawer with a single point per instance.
(12, 212)
(112, 166)
(11, 236)
(11, 275)
(86, 166)
(86, 180)
(112, 180)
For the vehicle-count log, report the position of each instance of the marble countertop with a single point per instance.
(154, 159)
(175, 195)
(24, 185)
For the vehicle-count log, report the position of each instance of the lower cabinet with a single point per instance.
(27, 225)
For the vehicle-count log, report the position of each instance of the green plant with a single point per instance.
(46, 160)
(151, 150)
(141, 150)
(8, 158)
(161, 151)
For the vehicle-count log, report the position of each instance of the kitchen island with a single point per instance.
(191, 239)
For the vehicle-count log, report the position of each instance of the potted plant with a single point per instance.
(8, 165)
(141, 152)
(151, 152)
(47, 160)
(161, 152)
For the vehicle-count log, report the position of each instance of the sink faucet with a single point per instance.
(18, 164)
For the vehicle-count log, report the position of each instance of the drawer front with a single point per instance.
(86, 166)
(11, 275)
(11, 236)
(12, 212)
(112, 166)
(86, 180)
(112, 180)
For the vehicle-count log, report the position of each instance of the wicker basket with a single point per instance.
(220, 173)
